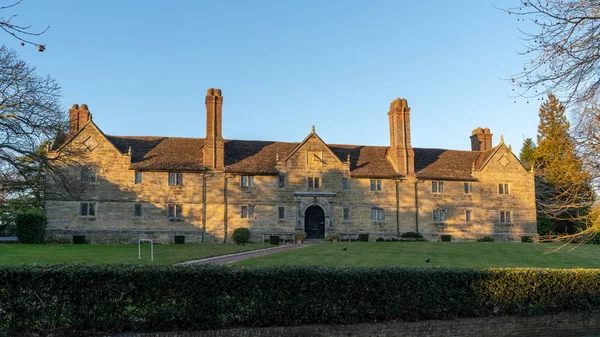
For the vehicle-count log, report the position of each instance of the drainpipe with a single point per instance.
(203, 206)
(417, 205)
(397, 207)
(225, 208)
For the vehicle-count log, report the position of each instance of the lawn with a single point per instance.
(163, 254)
(441, 254)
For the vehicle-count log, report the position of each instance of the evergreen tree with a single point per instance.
(563, 192)
(527, 155)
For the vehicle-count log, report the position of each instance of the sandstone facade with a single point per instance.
(204, 188)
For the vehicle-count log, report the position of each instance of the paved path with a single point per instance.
(231, 258)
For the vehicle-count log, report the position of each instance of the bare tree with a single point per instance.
(563, 46)
(23, 33)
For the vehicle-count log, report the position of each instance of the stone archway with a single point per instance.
(314, 222)
(321, 200)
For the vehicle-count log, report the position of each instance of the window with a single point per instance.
(138, 177)
(439, 215)
(175, 179)
(87, 209)
(137, 210)
(281, 212)
(88, 176)
(175, 210)
(437, 187)
(346, 213)
(467, 188)
(377, 213)
(246, 181)
(281, 181)
(502, 188)
(247, 212)
(375, 185)
(505, 217)
(467, 216)
(314, 182)
(345, 185)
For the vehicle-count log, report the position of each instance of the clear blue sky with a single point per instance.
(143, 67)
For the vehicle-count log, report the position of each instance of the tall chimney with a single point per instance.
(401, 152)
(214, 152)
(481, 139)
(78, 117)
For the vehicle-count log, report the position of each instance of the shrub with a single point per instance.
(526, 238)
(79, 239)
(394, 239)
(108, 299)
(486, 239)
(380, 239)
(333, 236)
(411, 235)
(363, 237)
(274, 239)
(179, 239)
(300, 235)
(241, 235)
(31, 226)
(446, 238)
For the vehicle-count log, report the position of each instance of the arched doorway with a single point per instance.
(314, 223)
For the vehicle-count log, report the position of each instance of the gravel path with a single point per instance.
(231, 258)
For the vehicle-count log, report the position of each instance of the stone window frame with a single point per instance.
(377, 213)
(346, 215)
(175, 211)
(175, 179)
(247, 181)
(280, 212)
(439, 215)
(505, 217)
(503, 189)
(314, 182)
(345, 184)
(468, 215)
(375, 185)
(88, 176)
(468, 188)
(138, 178)
(281, 181)
(437, 187)
(137, 210)
(247, 212)
(87, 209)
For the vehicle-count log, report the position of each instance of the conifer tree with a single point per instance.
(527, 155)
(563, 192)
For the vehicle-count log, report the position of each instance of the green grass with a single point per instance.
(163, 254)
(442, 254)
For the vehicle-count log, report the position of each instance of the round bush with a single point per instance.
(379, 239)
(486, 239)
(411, 235)
(31, 226)
(241, 235)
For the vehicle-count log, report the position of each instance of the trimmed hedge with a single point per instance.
(31, 226)
(411, 235)
(80, 299)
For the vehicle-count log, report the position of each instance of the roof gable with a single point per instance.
(89, 124)
(498, 152)
(313, 136)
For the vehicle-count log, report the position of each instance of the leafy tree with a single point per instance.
(563, 191)
(527, 155)
(561, 40)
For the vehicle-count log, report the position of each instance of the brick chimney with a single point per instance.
(401, 153)
(481, 139)
(214, 153)
(78, 117)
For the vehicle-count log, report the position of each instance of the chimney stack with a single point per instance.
(401, 152)
(481, 139)
(214, 152)
(78, 117)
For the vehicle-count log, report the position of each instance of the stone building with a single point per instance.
(204, 188)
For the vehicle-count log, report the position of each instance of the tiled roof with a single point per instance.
(260, 157)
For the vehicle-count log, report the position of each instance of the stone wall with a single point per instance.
(565, 324)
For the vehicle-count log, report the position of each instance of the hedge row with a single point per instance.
(85, 299)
